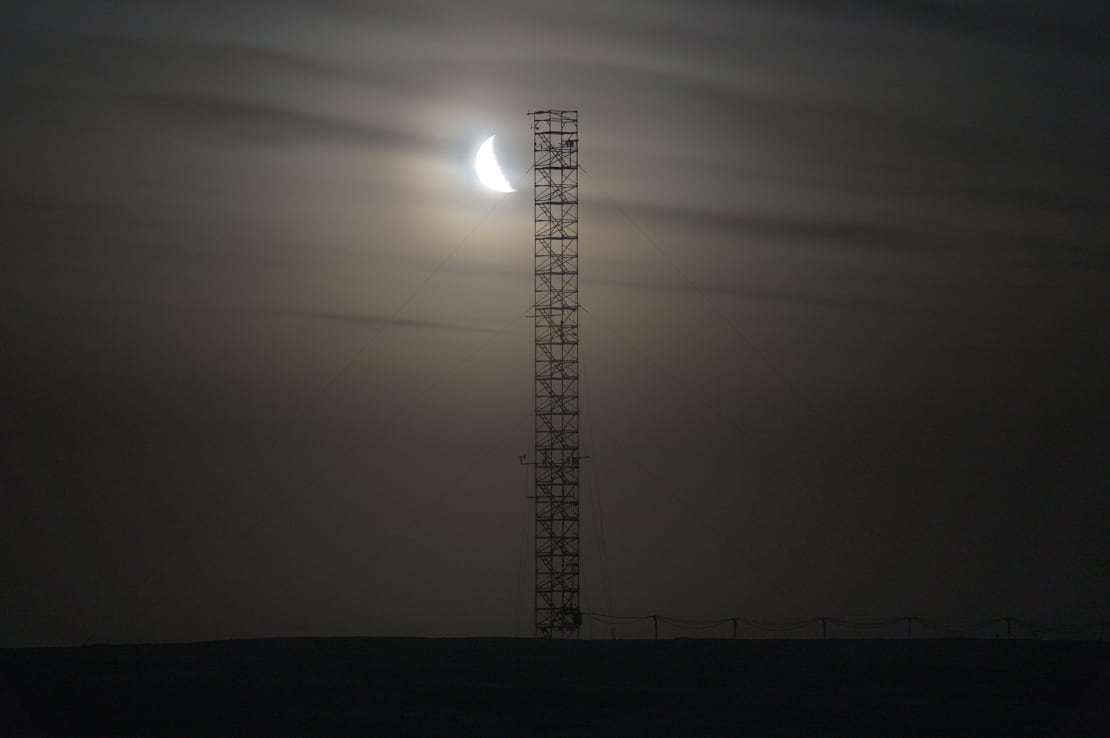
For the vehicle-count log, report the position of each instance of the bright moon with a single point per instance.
(488, 171)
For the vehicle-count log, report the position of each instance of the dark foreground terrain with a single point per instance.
(386, 686)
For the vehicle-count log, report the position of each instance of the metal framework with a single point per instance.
(555, 163)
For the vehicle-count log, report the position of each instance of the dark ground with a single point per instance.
(385, 686)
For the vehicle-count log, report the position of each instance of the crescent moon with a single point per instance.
(485, 164)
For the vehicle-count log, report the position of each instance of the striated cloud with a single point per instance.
(244, 123)
(196, 195)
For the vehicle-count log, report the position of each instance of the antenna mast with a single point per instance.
(555, 163)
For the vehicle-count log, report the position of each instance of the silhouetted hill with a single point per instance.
(428, 687)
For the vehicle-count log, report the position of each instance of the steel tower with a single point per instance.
(555, 163)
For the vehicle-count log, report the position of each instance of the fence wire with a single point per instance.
(598, 625)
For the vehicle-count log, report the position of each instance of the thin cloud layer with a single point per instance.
(894, 210)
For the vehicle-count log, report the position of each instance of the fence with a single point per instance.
(601, 625)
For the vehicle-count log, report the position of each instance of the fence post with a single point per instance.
(909, 628)
(1009, 635)
(655, 625)
(734, 630)
(824, 630)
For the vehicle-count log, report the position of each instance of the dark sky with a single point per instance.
(266, 366)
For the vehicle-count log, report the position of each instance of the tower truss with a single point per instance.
(555, 164)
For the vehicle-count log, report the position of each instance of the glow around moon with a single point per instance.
(485, 164)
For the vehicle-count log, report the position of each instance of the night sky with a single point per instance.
(267, 366)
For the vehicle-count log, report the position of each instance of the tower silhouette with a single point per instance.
(555, 167)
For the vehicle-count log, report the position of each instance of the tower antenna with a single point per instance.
(555, 166)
